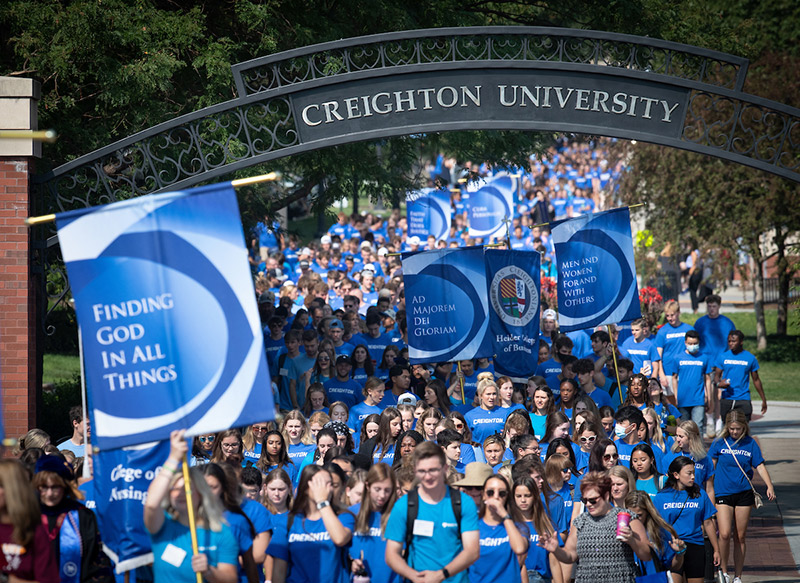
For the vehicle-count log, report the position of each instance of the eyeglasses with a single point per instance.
(501, 493)
(51, 488)
(590, 501)
(230, 445)
(208, 438)
(324, 358)
(611, 456)
(429, 472)
(588, 439)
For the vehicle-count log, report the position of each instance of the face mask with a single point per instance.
(620, 431)
(692, 348)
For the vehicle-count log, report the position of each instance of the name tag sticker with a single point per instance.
(423, 527)
(173, 555)
(284, 372)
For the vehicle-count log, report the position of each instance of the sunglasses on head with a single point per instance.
(204, 439)
(501, 493)
(590, 501)
(611, 456)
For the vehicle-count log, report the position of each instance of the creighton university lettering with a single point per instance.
(498, 98)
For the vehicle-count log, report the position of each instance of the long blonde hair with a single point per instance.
(696, 446)
(656, 437)
(654, 523)
(377, 473)
(20, 501)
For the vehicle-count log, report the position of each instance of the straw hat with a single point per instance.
(475, 474)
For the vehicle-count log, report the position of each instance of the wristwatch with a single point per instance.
(446, 573)
(506, 517)
(323, 504)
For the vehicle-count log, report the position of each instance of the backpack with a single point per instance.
(413, 512)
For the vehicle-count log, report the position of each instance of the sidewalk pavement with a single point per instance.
(773, 538)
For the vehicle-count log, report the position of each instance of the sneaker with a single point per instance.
(719, 426)
(737, 580)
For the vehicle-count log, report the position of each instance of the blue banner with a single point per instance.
(167, 310)
(428, 213)
(121, 479)
(446, 305)
(597, 274)
(514, 317)
(488, 206)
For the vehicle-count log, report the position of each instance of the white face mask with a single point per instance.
(692, 348)
(620, 431)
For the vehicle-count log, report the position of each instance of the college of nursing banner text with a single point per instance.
(121, 479)
(489, 205)
(428, 213)
(597, 274)
(167, 311)
(466, 303)
(514, 317)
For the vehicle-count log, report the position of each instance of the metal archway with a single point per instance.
(412, 82)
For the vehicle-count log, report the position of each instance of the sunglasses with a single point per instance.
(590, 501)
(588, 439)
(611, 456)
(210, 438)
(259, 429)
(501, 493)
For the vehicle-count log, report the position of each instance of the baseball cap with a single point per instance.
(343, 359)
(325, 240)
(413, 240)
(390, 313)
(336, 323)
(549, 315)
(304, 263)
(383, 251)
(407, 399)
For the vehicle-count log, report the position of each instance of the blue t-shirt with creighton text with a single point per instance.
(484, 423)
(685, 514)
(728, 478)
(671, 339)
(692, 370)
(372, 544)
(436, 551)
(497, 562)
(736, 368)
(310, 554)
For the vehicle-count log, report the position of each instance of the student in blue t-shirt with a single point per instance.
(732, 371)
(667, 549)
(485, 419)
(470, 376)
(693, 388)
(312, 547)
(343, 387)
(367, 521)
(639, 348)
(688, 508)
(689, 443)
(374, 390)
(437, 542)
(670, 342)
(169, 529)
(735, 456)
(503, 535)
(538, 562)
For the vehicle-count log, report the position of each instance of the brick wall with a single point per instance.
(18, 360)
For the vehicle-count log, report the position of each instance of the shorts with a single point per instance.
(746, 498)
(536, 577)
(694, 562)
(726, 405)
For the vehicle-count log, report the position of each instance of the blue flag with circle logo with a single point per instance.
(488, 206)
(166, 305)
(428, 213)
(513, 284)
(596, 270)
(447, 310)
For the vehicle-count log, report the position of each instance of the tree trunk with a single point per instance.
(758, 301)
(784, 281)
(355, 197)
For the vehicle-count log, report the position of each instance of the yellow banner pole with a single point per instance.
(461, 382)
(614, 354)
(187, 485)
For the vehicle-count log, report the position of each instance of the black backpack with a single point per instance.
(413, 512)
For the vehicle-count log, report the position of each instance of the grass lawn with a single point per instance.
(779, 380)
(59, 367)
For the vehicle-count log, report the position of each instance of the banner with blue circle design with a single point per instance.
(167, 310)
(428, 213)
(513, 283)
(596, 270)
(489, 206)
(447, 309)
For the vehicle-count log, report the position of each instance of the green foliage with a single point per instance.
(781, 349)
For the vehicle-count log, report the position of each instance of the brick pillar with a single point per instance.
(20, 364)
